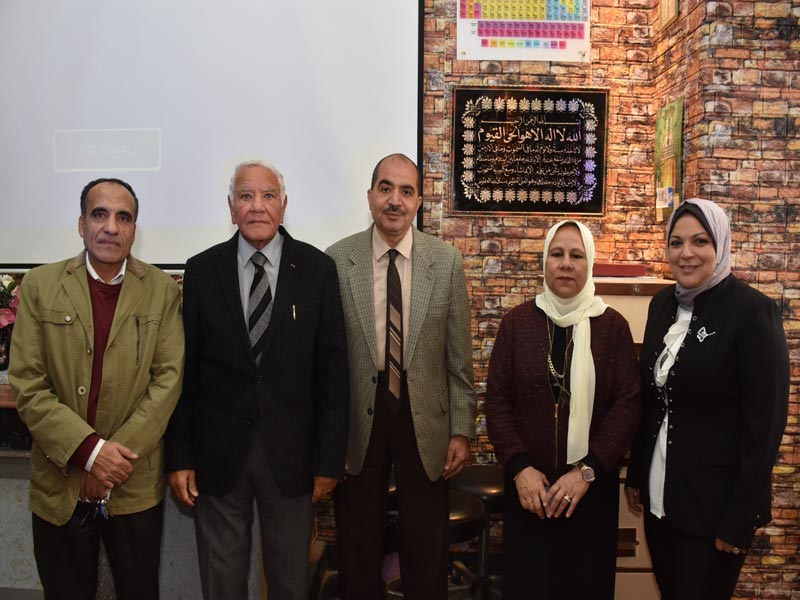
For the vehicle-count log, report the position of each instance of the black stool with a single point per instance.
(487, 483)
(467, 522)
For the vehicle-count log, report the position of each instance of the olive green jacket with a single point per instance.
(51, 370)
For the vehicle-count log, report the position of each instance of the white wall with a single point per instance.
(171, 94)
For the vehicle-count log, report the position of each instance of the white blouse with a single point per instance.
(658, 466)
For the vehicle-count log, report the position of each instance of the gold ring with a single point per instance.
(568, 499)
(736, 550)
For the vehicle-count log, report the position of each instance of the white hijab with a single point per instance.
(576, 312)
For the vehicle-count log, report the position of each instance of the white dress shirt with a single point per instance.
(247, 270)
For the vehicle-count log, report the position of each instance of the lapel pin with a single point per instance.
(702, 334)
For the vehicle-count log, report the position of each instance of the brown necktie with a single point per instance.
(260, 305)
(394, 333)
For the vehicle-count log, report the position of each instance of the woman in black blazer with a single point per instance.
(715, 373)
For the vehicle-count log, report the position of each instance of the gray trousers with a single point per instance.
(223, 526)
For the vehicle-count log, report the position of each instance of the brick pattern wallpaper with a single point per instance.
(737, 65)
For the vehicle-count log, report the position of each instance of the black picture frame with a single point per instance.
(539, 150)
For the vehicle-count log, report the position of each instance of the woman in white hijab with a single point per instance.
(562, 408)
(715, 371)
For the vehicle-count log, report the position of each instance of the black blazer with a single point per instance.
(297, 398)
(728, 399)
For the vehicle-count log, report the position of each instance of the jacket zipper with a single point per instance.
(555, 413)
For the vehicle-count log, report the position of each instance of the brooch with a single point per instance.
(702, 334)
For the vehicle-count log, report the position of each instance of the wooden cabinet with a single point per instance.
(630, 296)
(635, 580)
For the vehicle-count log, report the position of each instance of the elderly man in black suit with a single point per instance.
(264, 408)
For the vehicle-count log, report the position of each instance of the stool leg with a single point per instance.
(481, 584)
(483, 552)
(484, 590)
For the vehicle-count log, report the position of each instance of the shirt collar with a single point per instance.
(272, 250)
(380, 247)
(116, 280)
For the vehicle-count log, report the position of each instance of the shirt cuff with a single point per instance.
(95, 452)
(85, 454)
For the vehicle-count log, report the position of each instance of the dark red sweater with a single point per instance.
(104, 304)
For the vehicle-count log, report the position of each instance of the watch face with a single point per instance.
(588, 473)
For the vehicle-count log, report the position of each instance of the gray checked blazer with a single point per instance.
(439, 353)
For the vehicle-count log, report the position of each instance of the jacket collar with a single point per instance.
(134, 266)
(290, 267)
(422, 283)
(76, 288)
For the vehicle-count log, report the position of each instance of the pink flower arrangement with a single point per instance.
(9, 300)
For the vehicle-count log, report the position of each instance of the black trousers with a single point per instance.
(560, 558)
(689, 567)
(360, 503)
(66, 555)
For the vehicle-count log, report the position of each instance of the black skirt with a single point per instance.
(560, 558)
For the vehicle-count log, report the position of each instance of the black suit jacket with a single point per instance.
(728, 399)
(296, 398)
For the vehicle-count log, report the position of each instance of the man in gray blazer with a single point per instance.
(411, 388)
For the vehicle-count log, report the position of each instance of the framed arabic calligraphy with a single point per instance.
(529, 150)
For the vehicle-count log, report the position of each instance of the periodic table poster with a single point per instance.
(553, 30)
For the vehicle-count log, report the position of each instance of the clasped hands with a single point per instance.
(549, 501)
(112, 467)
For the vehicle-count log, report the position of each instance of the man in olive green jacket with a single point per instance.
(96, 369)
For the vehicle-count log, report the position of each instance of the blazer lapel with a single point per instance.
(362, 288)
(227, 273)
(422, 281)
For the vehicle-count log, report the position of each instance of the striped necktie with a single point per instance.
(394, 333)
(259, 306)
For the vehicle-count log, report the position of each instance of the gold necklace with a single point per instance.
(557, 382)
(559, 377)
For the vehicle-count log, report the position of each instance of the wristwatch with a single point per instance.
(587, 472)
